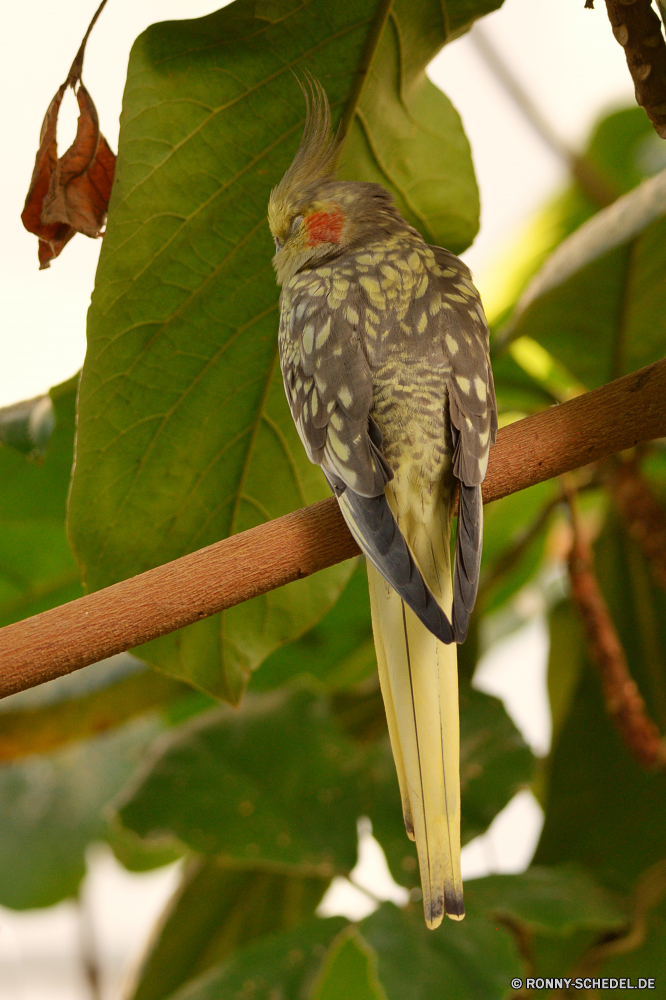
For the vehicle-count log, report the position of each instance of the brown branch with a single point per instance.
(638, 30)
(642, 514)
(585, 429)
(623, 701)
(75, 70)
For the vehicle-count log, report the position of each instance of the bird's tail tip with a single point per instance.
(450, 904)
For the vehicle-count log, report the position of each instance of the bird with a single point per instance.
(383, 346)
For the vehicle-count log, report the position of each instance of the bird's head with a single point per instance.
(313, 217)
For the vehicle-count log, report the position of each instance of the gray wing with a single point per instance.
(329, 387)
(328, 383)
(473, 414)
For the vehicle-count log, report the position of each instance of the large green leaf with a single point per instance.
(349, 971)
(337, 653)
(216, 911)
(514, 532)
(641, 954)
(556, 914)
(275, 781)
(469, 960)
(551, 901)
(598, 303)
(283, 966)
(392, 955)
(279, 782)
(495, 762)
(37, 568)
(603, 809)
(184, 435)
(51, 808)
(82, 704)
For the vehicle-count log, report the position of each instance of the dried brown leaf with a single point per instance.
(69, 194)
(53, 237)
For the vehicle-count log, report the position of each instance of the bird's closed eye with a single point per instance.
(293, 228)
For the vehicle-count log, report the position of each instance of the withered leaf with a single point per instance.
(71, 194)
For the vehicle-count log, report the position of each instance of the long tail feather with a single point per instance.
(419, 681)
(418, 672)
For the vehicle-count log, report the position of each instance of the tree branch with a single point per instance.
(638, 30)
(591, 427)
(622, 698)
(643, 515)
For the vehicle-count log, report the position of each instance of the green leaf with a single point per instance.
(514, 533)
(51, 808)
(349, 971)
(495, 762)
(616, 225)
(184, 435)
(603, 810)
(641, 954)
(565, 659)
(216, 911)
(337, 653)
(97, 698)
(474, 958)
(551, 901)
(283, 966)
(279, 782)
(555, 914)
(597, 303)
(28, 426)
(138, 855)
(276, 782)
(617, 149)
(37, 568)
(406, 134)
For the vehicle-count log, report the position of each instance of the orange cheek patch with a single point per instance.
(324, 227)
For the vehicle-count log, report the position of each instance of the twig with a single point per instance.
(621, 695)
(643, 515)
(595, 185)
(638, 30)
(649, 893)
(76, 68)
(89, 957)
(166, 598)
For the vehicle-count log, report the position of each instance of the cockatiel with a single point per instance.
(384, 353)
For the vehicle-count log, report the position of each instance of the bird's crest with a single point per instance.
(314, 161)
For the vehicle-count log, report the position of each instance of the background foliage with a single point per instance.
(184, 437)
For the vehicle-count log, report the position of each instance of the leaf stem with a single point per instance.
(377, 25)
(76, 68)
